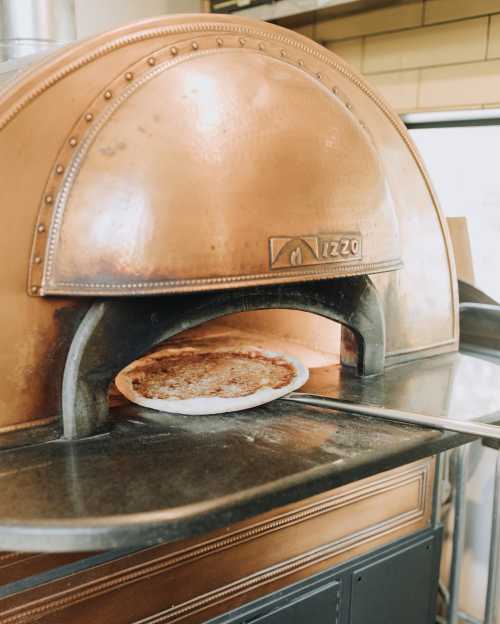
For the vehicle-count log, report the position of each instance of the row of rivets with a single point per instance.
(40, 229)
(49, 200)
(348, 105)
(108, 94)
(73, 142)
(129, 76)
(300, 63)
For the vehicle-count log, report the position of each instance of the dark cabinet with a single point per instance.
(399, 587)
(393, 585)
(314, 602)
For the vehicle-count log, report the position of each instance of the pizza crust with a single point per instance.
(142, 383)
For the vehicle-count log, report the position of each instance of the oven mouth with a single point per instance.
(115, 332)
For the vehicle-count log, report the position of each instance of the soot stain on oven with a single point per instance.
(111, 150)
(47, 402)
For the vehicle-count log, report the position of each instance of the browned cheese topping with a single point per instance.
(218, 374)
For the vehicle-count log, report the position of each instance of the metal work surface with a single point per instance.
(159, 476)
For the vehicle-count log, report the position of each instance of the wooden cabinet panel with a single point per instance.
(198, 579)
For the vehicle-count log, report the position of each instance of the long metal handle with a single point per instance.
(434, 422)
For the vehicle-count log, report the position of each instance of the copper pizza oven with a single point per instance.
(180, 170)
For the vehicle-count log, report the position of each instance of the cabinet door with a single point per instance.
(314, 602)
(398, 588)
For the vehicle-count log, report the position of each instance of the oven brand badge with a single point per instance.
(286, 251)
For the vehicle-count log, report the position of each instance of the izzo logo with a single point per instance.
(299, 251)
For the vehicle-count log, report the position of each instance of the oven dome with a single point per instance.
(199, 151)
(218, 168)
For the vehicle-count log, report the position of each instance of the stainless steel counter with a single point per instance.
(165, 476)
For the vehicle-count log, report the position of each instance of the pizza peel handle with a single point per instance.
(434, 422)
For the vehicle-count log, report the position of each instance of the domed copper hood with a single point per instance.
(224, 162)
(204, 152)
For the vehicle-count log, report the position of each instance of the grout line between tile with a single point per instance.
(488, 29)
(419, 84)
(418, 67)
(406, 28)
(363, 39)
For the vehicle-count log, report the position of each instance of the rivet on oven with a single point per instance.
(49, 199)
(41, 228)
(318, 75)
(34, 289)
(348, 105)
(37, 259)
(108, 95)
(174, 51)
(283, 52)
(59, 169)
(89, 117)
(300, 63)
(335, 91)
(261, 46)
(73, 142)
(151, 61)
(242, 41)
(195, 45)
(129, 76)
(219, 42)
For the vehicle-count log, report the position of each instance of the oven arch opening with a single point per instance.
(314, 340)
(114, 332)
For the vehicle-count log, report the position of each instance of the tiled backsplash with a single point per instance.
(422, 55)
